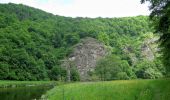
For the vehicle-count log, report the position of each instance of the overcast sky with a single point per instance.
(88, 8)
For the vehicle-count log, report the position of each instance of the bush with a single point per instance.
(74, 74)
(122, 76)
(112, 67)
(148, 70)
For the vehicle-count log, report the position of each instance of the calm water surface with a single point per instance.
(23, 93)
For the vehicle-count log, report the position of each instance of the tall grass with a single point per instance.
(113, 90)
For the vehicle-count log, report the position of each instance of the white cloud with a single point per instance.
(88, 8)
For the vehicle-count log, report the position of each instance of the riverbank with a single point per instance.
(24, 90)
(112, 90)
(6, 84)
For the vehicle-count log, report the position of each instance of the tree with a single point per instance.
(149, 70)
(160, 15)
(58, 73)
(32, 42)
(112, 67)
(4, 71)
(57, 40)
(72, 39)
(103, 37)
(74, 74)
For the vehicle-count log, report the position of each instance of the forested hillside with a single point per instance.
(33, 43)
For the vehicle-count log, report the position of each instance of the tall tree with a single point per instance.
(161, 17)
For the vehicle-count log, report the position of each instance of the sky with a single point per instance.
(88, 8)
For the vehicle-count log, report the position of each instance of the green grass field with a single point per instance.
(113, 90)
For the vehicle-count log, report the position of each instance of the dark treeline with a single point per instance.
(33, 43)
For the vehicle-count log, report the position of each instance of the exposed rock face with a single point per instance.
(131, 54)
(147, 52)
(149, 49)
(86, 54)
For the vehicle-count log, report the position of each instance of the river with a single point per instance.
(23, 93)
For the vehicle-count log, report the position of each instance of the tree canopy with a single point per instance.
(161, 18)
(33, 42)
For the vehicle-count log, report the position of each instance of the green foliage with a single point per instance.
(4, 71)
(58, 73)
(57, 40)
(149, 70)
(122, 76)
(33, 42)
(103, 37)
(160, 16)
(72, 39)
(112, 67)
(74, 74)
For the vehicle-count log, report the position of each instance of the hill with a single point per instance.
(33, 43)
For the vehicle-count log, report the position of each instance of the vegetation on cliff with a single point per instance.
(160, 17)
(33, 43)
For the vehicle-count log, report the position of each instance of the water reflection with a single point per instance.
(23, 93)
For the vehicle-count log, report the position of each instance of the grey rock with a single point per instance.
(85, 55)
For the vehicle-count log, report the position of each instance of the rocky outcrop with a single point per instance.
(85, 55)
(149, 49)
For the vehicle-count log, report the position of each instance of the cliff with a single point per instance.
(85, 55)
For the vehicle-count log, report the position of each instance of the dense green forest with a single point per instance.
(160, 18)
(33, 43)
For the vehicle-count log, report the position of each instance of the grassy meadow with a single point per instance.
(113, 90)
